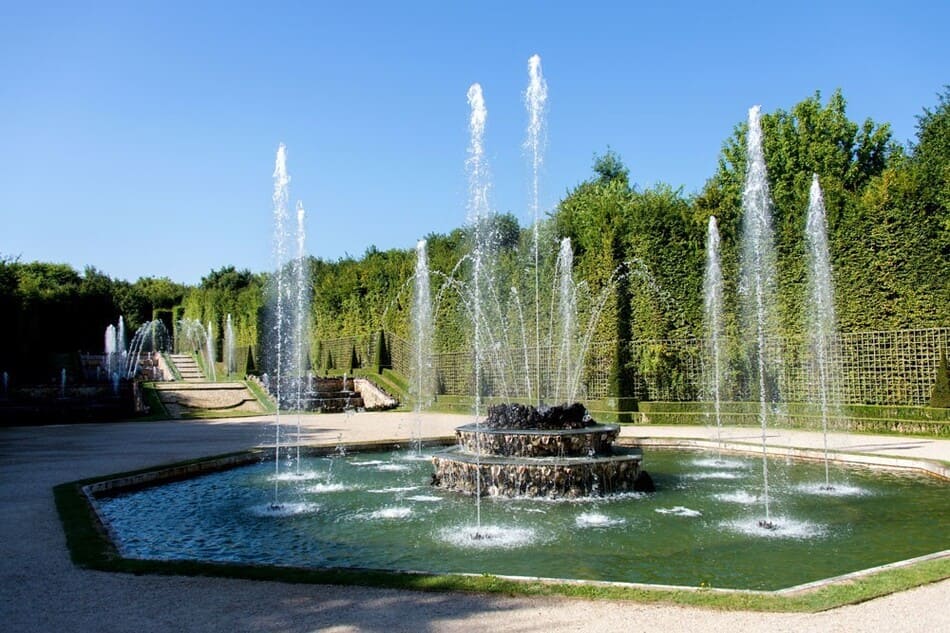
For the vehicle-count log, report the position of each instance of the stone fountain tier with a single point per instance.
(520, 451)
(567, 477)
(574, 442)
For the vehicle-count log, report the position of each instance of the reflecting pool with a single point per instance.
(377, 510)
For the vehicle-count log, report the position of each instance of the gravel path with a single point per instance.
(40, 589)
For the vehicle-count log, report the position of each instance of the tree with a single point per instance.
(811, 138)
(894, 244)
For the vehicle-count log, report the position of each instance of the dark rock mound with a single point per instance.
(644, 483)
(523, 417)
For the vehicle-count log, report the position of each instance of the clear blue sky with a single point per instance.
(139, 137)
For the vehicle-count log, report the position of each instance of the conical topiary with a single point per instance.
(941, 393)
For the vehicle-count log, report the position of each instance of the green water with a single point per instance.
(376, 510)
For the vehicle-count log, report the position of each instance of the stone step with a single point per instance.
(187, 368)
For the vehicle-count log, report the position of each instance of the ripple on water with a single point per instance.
(737, 496)
(398, 512)
(488, 536)
(285, 509)
(304, 475)
(719, 462)
(834, 490)
(782, 527)
(713, 474)
(392, 489)
(680, 511)
(392, 468)
(332, 487)
(596, 520)
(416, 457)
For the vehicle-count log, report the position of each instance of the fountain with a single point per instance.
(288, 332)
(553, 452)
(758, 284)
(535, 100)
(280, 197)
(523, 450)
(821, 308)
(229, 365)
(375, 512)
(110, 348)
(120, 342)
(301, 309)
(479, 215)
(6, 384)
(422, 378)
(209, 353)
(152, 335)
(712, 293)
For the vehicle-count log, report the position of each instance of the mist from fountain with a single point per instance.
(280, 197)
(535, 101)
(758, 282)
(229, 364)
(822, 324)
(301, 312)
(482, 247)
(209, 353)
(110, 349)
(120, 342)
(422, 380)
(567, 324)
(712, 295)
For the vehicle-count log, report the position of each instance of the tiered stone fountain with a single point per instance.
(556, 452)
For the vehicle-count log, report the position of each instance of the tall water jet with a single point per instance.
(280, 197)
(422, 386)
(535, 101)
(566, 323)
(121, 344)
(301, 312)
(110, 348)
(712, 293)
(229, 365)
(822, 324)
(209, 353)
(478, 216)
(6, 384)
(758, 281)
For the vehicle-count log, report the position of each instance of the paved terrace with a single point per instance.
(40, 589)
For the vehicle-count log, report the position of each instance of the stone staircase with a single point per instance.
(207, 398)
(187, 367)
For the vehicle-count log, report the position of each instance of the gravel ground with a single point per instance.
(40, 589)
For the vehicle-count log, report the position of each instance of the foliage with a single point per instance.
(49, 309)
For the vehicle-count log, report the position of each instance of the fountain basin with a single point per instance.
(373, 510)
(558, 477)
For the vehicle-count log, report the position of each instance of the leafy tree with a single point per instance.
(811, 138)
(895, 244)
